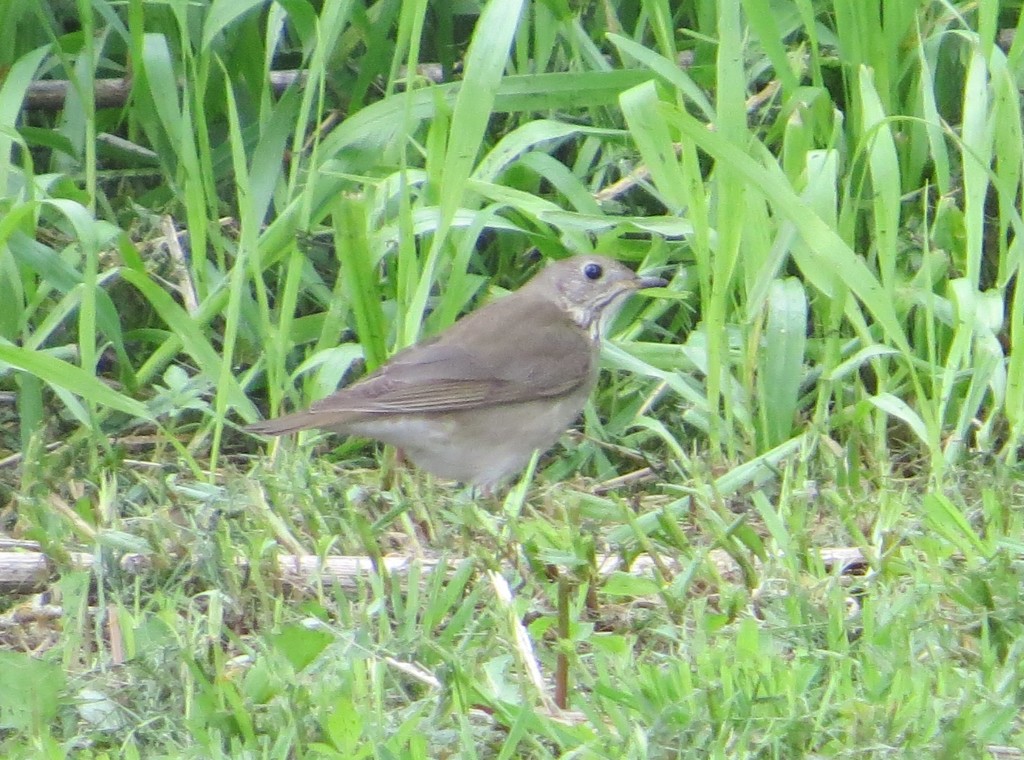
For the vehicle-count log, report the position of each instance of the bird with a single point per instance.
(474, 402)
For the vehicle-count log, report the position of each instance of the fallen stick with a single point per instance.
(25, 569)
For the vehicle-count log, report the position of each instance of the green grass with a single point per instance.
(833, 189)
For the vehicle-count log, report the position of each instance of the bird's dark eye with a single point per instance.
(593, 271)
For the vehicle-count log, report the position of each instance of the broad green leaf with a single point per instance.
(901, 410)
(782, 361)
(61, 374)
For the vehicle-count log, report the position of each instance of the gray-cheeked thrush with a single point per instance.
(474, 402)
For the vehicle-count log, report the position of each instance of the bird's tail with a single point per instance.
(287, 423)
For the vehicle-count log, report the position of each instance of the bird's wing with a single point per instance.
(452, 373)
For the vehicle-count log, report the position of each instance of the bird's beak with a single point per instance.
(650, 282)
